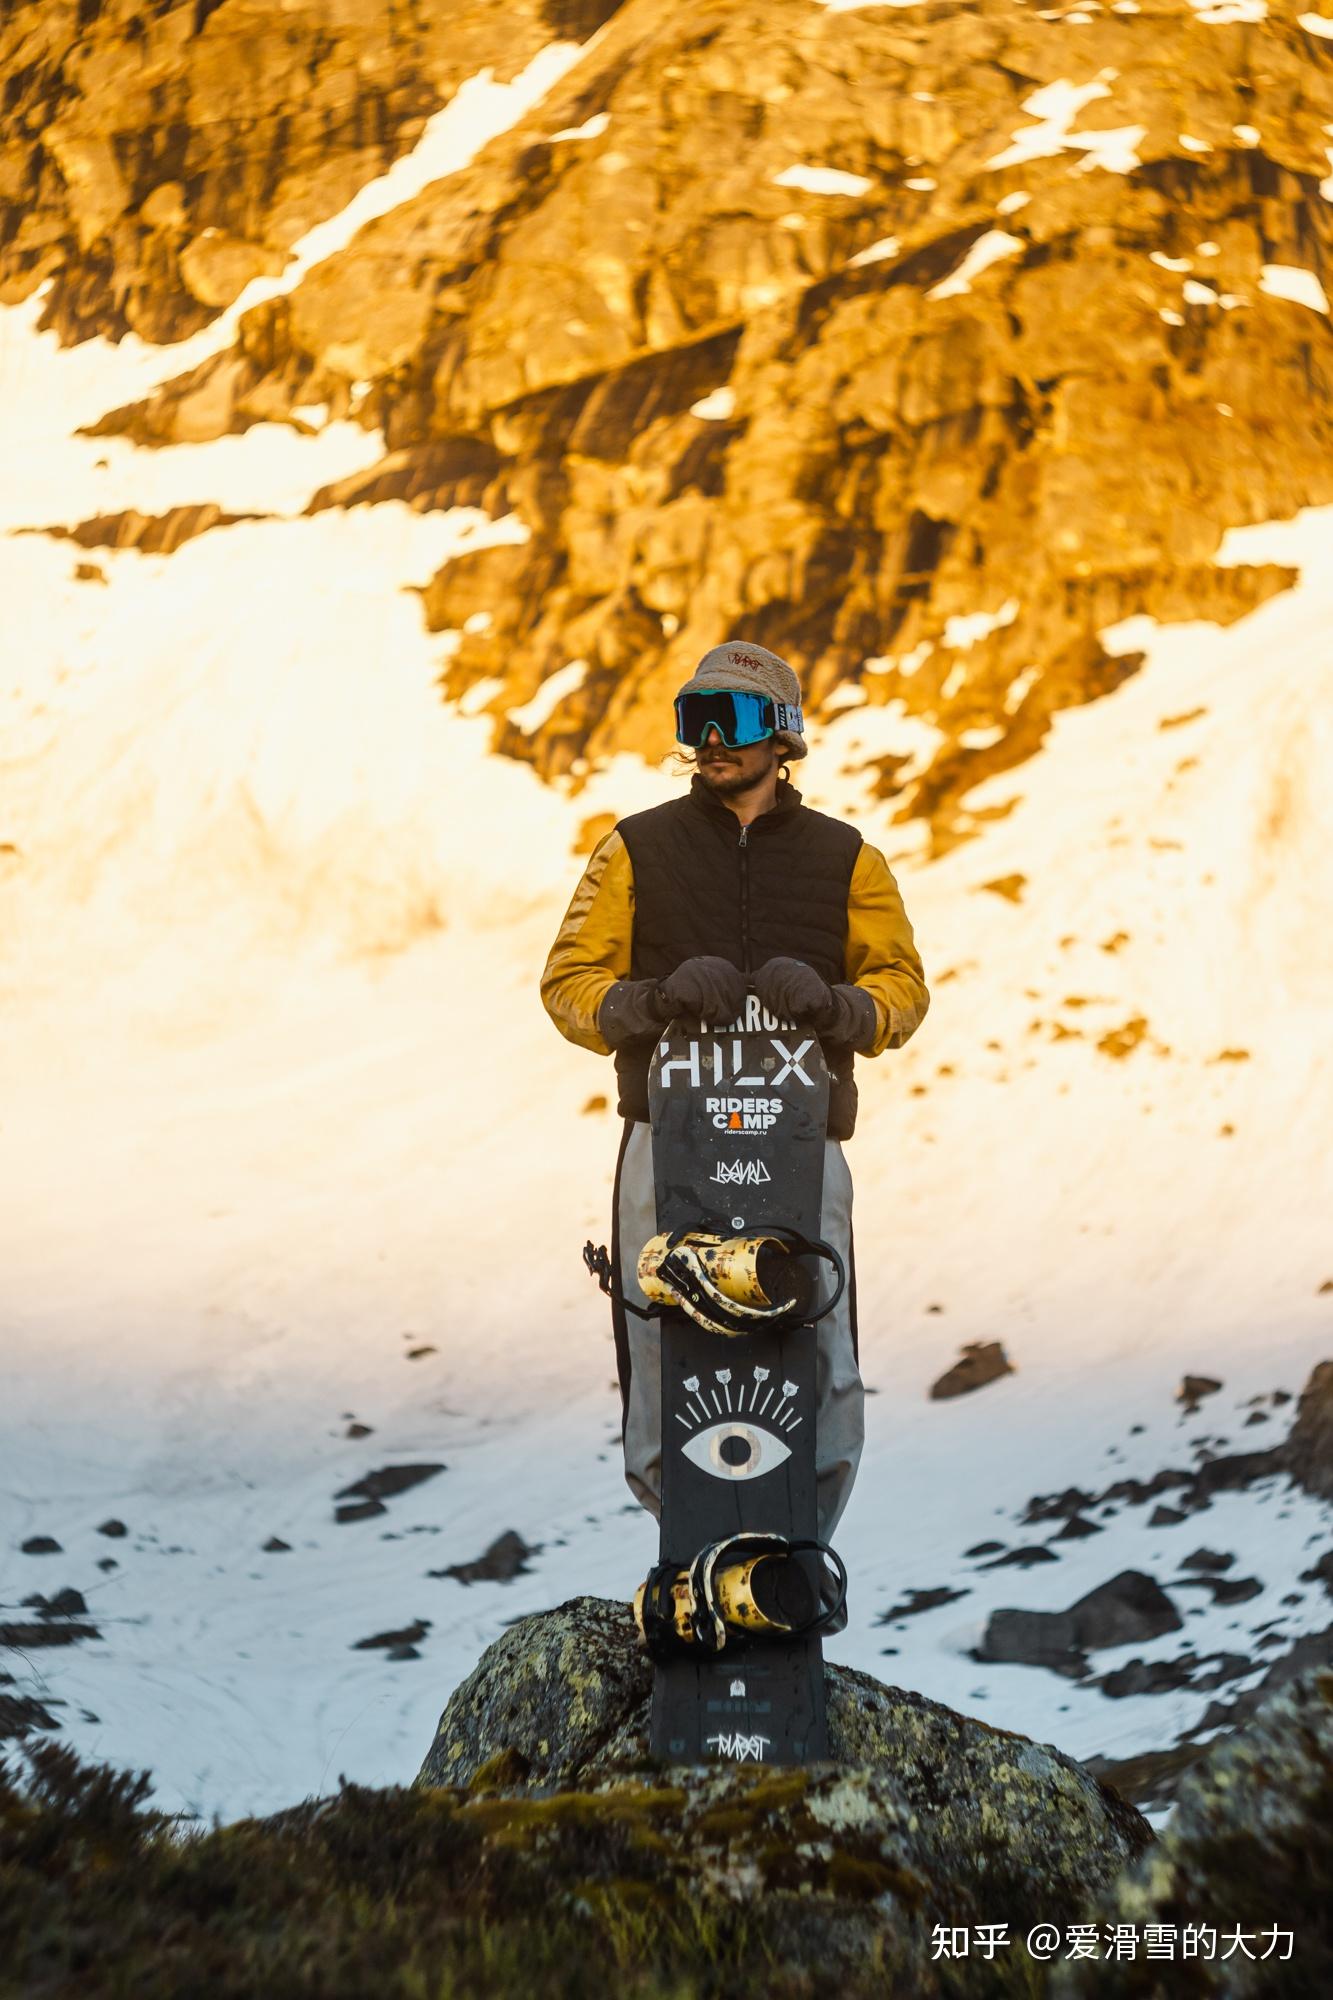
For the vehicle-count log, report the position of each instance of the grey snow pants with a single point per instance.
(840, 1397)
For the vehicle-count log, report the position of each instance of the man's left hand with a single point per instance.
(796, 992)
(793, 990)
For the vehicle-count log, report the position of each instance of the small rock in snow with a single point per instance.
(1024, 1558)
(388, 1481)
(394, 1642)
(1076, 1528)
(26, 1638)
(1322, 1572)
(1193, 1390)
(1011, 887)
(67, 1603)
(1166, 1676)
(1055, 1506)
(1225, 1589)
(919, 1600)
(506, 1558)
(981, 1361)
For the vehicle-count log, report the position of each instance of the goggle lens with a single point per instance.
(738, 718)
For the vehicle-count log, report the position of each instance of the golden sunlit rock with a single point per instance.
(855, 418)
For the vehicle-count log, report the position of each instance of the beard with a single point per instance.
(725, 776)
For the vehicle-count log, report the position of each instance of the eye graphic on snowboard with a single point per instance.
(735, 1451)
(727, 1440)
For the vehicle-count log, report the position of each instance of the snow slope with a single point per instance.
(280, 1111)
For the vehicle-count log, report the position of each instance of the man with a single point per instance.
(680, 910)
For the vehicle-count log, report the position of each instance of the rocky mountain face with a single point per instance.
(920, 345)
(154, 159)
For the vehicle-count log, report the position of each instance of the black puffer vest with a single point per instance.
(706, 886)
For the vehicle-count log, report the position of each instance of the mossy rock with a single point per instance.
(560, 1703)
(742, 1885)
(1249, 1848)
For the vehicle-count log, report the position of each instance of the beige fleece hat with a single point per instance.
(745, 668)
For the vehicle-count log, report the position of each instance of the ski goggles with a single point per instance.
(738, 717)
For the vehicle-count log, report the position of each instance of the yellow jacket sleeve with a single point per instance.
(592, 947)
(881, 953)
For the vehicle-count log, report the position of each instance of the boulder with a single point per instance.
(725, 1881)
(1130, 1608)
(1249, 1848)
(216, 268)
(976, 1817)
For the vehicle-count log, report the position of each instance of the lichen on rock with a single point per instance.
(1249, 1849)
(560, 1702)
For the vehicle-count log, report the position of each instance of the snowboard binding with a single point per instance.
(744, 1587)
(728, 1284)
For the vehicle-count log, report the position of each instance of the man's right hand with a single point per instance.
(634, 1009)
(713, 988)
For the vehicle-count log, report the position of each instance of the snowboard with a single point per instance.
(738, 1124)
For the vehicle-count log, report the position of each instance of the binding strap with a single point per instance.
(686, 1282)
(709, 1629)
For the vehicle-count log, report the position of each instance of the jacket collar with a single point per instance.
(788, 801)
